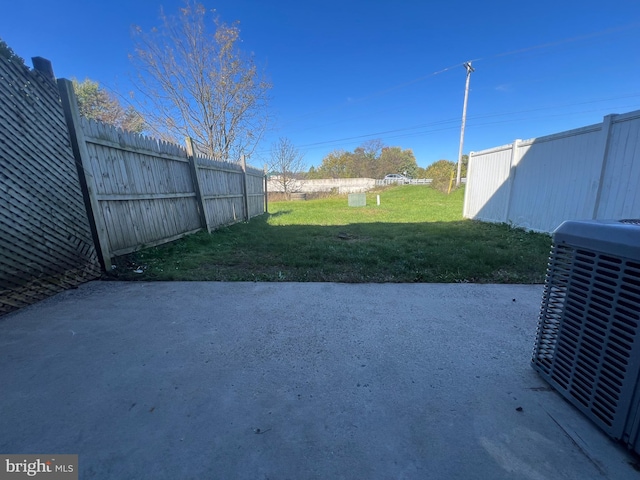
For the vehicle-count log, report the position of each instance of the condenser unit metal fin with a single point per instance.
(587, 344)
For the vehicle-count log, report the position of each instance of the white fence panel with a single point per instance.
(342, 185)
(587, 173)
(485, 199)
(620, 194)
(555, 179)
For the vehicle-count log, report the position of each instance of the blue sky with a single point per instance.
(348, 71)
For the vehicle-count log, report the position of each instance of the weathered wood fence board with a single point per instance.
(145, 192)
(222, 187)
(45, 238)
(143, 188)
(256, 194)
(74, 193)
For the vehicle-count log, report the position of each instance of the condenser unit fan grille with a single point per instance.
(587, 341)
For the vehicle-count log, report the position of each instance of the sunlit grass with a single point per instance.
(405, 204)
(417, 234)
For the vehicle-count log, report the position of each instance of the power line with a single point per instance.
(562, 42)
(428, 128)
(349, 141)
(471, 118)
(480, 59)
(351, 118)
(377, 94)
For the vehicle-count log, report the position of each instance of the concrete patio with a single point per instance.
(292, 381)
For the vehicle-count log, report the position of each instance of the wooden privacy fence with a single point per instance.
(142, 192)
(74, 193)
(45, 238)
(229, 192)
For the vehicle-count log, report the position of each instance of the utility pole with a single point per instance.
(470, 69)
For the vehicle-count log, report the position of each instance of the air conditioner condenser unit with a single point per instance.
(587, 343)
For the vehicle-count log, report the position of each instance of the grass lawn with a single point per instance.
(417, 234)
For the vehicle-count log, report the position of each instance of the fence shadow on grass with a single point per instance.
(432, 252)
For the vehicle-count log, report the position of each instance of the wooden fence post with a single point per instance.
(85, 172)
(266, 193)
(43, 66)
(243, 163)
(195, 175)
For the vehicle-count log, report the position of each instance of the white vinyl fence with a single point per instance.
(341, 185)
(587, 173)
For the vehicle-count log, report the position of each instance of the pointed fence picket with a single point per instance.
(146, 191)
(76, 192)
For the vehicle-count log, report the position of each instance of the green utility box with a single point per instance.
(357, 199)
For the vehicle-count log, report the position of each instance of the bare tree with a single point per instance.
(197, 83)
(286, 163)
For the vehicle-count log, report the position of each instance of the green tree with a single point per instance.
(420, 172)
(7, 52)
(335, 164)
(367, 159)
(358, 163)
(440, 168)
(198, 83)
(396, 160)
(464, 166)
(312, 173)
(97, 103)
(370, 160)
(440, 172)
